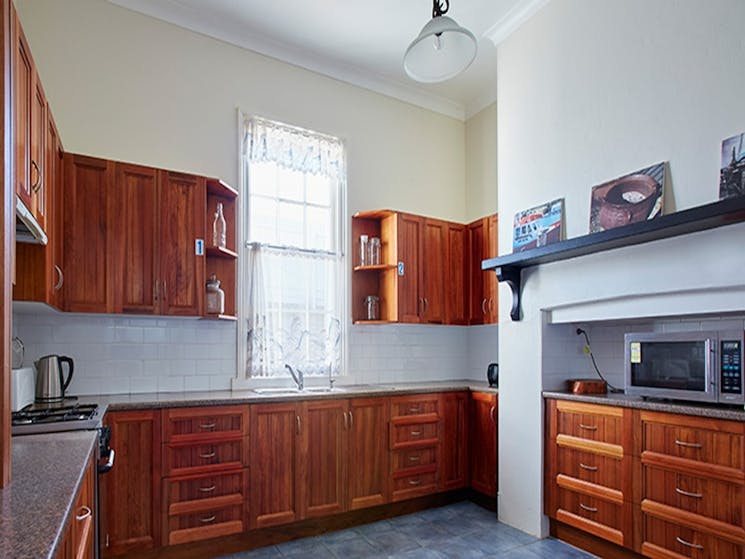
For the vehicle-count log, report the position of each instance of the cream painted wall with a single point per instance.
(128, 87)
(481, 163)
(588, 91)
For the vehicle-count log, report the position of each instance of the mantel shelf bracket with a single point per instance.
(512, 277)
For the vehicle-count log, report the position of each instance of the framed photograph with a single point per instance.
(732, 168)
(538, 226)
(628, 199)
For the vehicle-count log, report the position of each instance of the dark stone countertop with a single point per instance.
(45, 477)
(119, 402)
(732, 413)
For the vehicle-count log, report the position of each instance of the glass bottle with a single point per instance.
(364, 254)
(215, 296)
(219, 228)
(372, 306)
(374, 259)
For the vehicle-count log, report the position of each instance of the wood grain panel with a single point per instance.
(592, 422)
(591, 467)
(368, 452)
(409, 435)
(433, 249)
(415, 405)
(135, 223)
(203, 457)
(456, 274)
(599, 517)
(663, 539)
(22, 76)
(200, 487)
(454, 442)
(477, 232)
(483, 441)
(412, 458)
(491, 286)
(414, 485)
(205, 423)
(409, 241)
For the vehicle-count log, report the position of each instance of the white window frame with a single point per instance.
(242, 381)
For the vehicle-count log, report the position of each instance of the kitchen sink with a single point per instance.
(276, 391)
(292, 391)
(323, 389)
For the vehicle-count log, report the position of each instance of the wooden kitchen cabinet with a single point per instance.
(79, 536)
(456, 274)
(222, 261)
(130, 492)
(273, 484)
(454, 440)
(483, 298)
(368, 452)
(88, 246)
(483, 443)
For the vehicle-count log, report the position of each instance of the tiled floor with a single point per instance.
(461, 531)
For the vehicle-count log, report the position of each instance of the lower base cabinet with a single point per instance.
(79, 537)
(483, 443)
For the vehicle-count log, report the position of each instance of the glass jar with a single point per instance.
(219, 228)
(374, 259)
(372, 306)
(364, 253)
(215, 296)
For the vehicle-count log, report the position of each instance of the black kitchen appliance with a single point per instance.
(492, 374)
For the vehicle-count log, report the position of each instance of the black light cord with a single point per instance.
(580, 331)
(440, 7)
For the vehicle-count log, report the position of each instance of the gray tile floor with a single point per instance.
(462, 530)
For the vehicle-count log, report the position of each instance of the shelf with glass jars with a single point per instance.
(221, 251)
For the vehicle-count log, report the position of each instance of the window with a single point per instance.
(294, 272)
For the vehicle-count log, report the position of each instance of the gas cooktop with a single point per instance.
(50, 418)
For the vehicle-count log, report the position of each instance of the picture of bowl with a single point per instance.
(628, 200)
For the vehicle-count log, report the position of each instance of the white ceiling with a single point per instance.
(356, 41)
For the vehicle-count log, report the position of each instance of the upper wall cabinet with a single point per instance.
(482, 244)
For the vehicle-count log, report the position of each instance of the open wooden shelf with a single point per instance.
(220, 252)
(377, 267)
(709, 216)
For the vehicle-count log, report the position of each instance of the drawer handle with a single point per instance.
(588, 427)
(689, 544)
(209, 489)
(688, 445)
(208, 519)
(586, 467)
(414, 409)
(414, 458)
(207, 425)
(86, 512)
(416, 433)
(208, 455)
(588, 509)
(679, 491)
(415, 482)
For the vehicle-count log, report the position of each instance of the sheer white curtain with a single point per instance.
(295, 290)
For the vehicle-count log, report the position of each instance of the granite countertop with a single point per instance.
(734, 413)
(119, 402)
(46, 474)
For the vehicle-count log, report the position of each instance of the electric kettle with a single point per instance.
(50, 382)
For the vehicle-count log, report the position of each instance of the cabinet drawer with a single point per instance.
(185, 424)
(413, 458)
(407, 487)
(668, 540)
(196, 488)
(204, 458)
(688, 438)
(587, 466)
(415, 405)
(708, 497)
(205, 524)
(601, 518)
(591, 422)
(405, 435)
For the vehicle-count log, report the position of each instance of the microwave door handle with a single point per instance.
(711, 350)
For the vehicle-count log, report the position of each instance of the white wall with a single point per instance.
(589, 91)
(481, 163)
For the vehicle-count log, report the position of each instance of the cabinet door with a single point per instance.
(410, 235)
(130, 492)
(368, 452)
(456, 274)
(272, 464)
(182, 215)
(55, 200)
(136, 241)
(87, 242)
(491, 286)
(83, 524)
(38, 138)
(454, 440)
(322, 468)
(477, 302)
(483, 429)
(22, 72)
(432, 264)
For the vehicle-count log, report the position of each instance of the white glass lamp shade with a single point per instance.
(441, 51)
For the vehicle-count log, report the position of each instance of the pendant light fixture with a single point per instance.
(442, 50)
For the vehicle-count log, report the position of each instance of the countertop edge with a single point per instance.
(635, 402)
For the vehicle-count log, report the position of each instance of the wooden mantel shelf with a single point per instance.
(709, 216)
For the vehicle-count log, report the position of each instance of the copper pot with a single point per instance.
(629, 200)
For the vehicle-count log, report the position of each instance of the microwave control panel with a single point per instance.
(731, 367)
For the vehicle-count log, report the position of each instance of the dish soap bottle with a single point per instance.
(215, 296)
(219, 228)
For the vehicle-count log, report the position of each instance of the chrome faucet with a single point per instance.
(298, 378)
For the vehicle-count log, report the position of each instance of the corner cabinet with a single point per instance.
(482, 244)
(483, 442)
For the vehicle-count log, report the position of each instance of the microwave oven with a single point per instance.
(695, 366)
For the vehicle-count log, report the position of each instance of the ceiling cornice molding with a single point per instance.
(519, 14)
(181, 17)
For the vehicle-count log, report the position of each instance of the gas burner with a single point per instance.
(38, 418)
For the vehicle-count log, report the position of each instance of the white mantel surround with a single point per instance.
(589, 91)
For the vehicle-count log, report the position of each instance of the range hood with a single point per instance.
(28, 229)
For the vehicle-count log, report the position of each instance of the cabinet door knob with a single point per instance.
(688, 445)
(61, 276)
(207, 425)
(415, 482)
(679, 491)
(208, 519)
(483, 306)
(689, 544)
(589, 468)
(209, 489)
(36, 186)
(588, 509)
(588, 427)
(208, 455)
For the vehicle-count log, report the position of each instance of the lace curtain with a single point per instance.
(294, 294)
